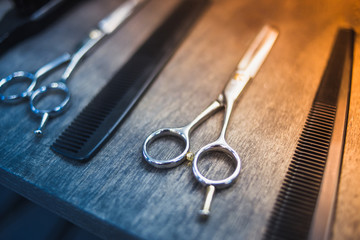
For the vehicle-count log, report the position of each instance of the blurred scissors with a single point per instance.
(105, 27)
(246, 70)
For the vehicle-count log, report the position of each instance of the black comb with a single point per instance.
(89, 130)
(304, 206)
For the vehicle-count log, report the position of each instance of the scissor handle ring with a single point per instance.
(57, 86)
(217, 147)
(10, 79)
(169, 163)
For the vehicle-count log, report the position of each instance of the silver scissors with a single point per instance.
(105, 27)
(246, 70)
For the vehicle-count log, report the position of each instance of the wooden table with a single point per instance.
(117, 193)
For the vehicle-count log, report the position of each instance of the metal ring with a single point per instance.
(158, 163)
(9, 79)
(60, 86)
(217, 147)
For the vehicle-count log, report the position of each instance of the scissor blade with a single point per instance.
(119, 15)
(257, 52)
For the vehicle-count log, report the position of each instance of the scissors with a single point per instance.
(246, 70)
(105, 27)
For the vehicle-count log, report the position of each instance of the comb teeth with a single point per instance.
(295, 204)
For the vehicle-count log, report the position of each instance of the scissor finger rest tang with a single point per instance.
(59, 87)
(219, 146)
(246, 70)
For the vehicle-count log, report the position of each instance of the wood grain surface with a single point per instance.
(118, 194)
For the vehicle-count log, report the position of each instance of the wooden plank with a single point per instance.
(117, 191)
